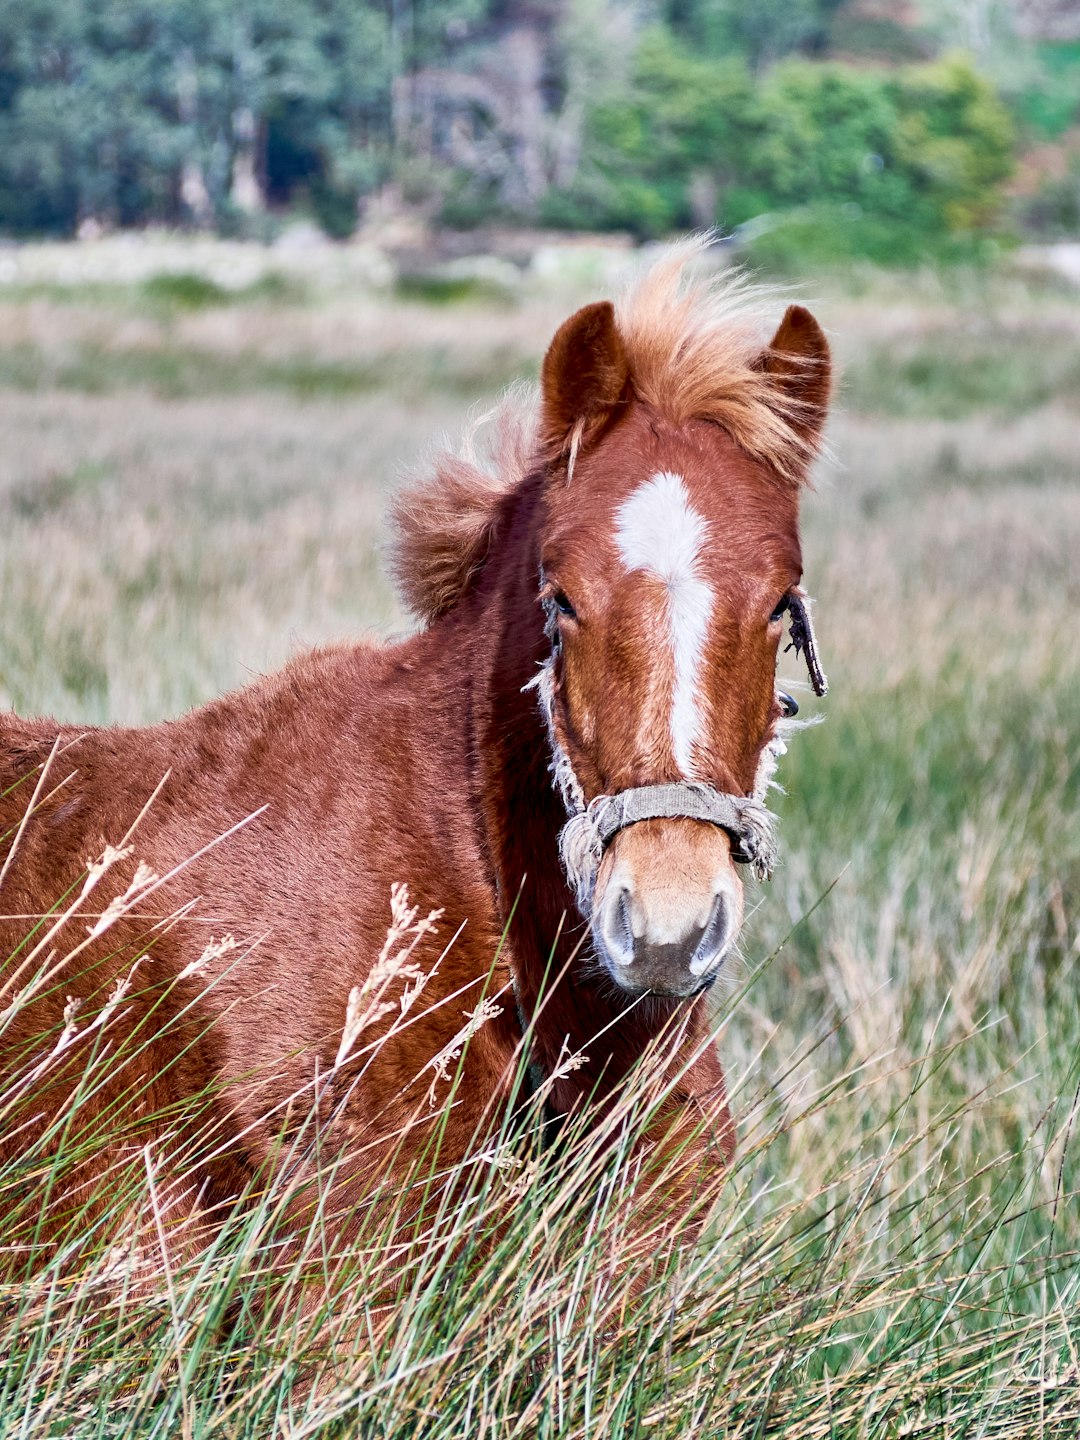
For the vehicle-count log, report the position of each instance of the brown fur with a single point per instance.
(444, 520)
(584, 378)
(425, 762)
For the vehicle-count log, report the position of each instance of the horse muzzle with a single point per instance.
(667, 907)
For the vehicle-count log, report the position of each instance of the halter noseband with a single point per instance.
(588, 832)
(688, 800)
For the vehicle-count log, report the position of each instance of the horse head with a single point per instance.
(670, 568)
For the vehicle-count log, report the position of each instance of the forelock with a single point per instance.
(695, 337)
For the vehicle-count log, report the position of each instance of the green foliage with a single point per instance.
(1051, 103)
(83, 127)
(922, 149)
(822, 133)
(681, 119)
(886, 164)
(185, 291)
(954, 139)
(763, 32)
(824, 236)
(188, 290)
(102, 107)
(127, 112)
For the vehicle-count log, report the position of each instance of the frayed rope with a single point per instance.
(585, 835)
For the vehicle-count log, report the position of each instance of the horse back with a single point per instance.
(261, 828)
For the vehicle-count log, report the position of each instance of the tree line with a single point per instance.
(641, 115)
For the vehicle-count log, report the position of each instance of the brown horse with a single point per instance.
(568, 762)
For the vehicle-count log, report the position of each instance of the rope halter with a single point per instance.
(588, 832)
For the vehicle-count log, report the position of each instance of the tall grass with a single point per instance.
(862, 1274)
(894, 1251)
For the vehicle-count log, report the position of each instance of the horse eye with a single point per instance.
(562, 604)
(778, 613)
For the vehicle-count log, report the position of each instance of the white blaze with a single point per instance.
(658, 530)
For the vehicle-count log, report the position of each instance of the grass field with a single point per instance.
(192, 486)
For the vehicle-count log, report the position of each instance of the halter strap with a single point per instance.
(586, 835)
(677, 800)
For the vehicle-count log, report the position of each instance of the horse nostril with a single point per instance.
(714, 938)
(618, 931)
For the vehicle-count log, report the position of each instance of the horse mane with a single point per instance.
(443, 520)
(695, 344)
(698, 345)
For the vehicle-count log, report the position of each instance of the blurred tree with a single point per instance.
(483, 111)
(886, 163)
(820, 132)
(40, 148)
(762, 32)
(124, 112)
(656, 153)
(88, 130)
(954, 140)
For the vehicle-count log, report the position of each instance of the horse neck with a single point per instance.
(561, 990)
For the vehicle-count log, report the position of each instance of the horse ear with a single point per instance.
(584, 375)
(798, 359)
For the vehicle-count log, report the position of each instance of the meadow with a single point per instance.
(193, 485)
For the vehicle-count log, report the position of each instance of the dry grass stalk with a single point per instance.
(367, 1004)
